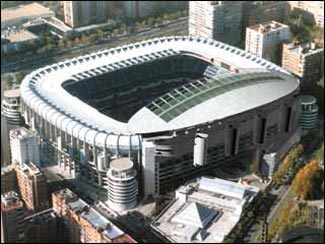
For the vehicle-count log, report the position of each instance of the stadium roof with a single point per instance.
(42, 90)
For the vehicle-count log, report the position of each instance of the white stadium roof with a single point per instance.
(43, 92)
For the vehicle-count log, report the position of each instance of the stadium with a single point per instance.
(178, 107)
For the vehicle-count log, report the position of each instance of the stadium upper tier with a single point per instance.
(161, 84)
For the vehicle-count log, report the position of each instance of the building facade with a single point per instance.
(139, 9)
(305, 61)
(8, 179)
(309, 113)
(10, 107)
(82, 13)
(44, 227)
(24, 146)
(12, 218)
(84, 223)
(33, 186)
(5, 145)
(264, 40)
(219, 20)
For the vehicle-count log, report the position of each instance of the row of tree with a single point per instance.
(308, 181)
(287, 163)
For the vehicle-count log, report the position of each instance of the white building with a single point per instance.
(10, 107)
(265, 39)
(204, 211)
(24, 146)
(220, 20)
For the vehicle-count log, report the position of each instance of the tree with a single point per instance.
(308, 180)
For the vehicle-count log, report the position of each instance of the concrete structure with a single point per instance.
(204, 211)
(5, 146)
(10, 107)
(24, 146)
(171, 89)
(265, 40)
(43, 227)
(81, 13)
(305, 61)
(8, 179)
(122, 184)
(33, 186)
(139, 9)
(17, 40)
(220, 20)
(313, 9)
(84, 223)
(12, 218)
(309, 113)
(24, 13)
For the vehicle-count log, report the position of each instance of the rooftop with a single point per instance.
(29, 169)
(121, 164)
(306, 49)
(12, 93)
(204, 211)
(41, 217)
(20, 35)
(24, 11)
(21, 133)
(268, 27)
(6, 169)
(10, 200)
(307, 99)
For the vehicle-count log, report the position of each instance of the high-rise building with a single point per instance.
(81, 13)
(264, 39)
(84, 223)
(32, 186)
(24, 146)
(220, 20)
(305, 61)
(139, 9)
(12, 218)
(313, 9)
(44, 227)
(8, 179)
(5, 149)
(11, 107)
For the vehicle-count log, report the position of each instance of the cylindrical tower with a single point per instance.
(11, 107)
(122, 184)
(309, 113)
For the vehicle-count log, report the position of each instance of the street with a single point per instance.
(32, 64)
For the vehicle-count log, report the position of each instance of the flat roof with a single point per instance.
(205, 215)
(21, 36)
(24, 11)
(12, 93)
(267, 27)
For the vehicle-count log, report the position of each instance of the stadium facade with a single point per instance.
(179, 107)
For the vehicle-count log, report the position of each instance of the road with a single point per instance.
(34, 63)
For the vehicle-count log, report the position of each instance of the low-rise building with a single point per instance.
(309, 113)
(44, 227)
(84, 223)
(24, 13)
(204, 211)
